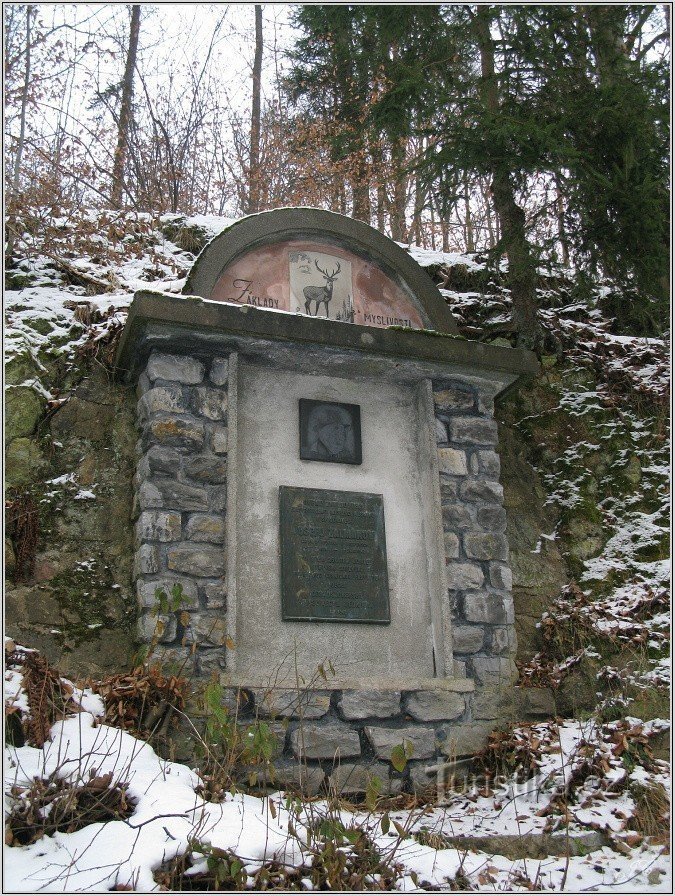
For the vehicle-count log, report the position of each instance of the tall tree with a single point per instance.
(254, 152)
(123, 124)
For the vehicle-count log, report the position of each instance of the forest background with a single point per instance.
(535, 134)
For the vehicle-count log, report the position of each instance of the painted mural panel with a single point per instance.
(318, 280)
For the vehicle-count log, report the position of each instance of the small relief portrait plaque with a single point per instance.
(330, 431)
(321, 285)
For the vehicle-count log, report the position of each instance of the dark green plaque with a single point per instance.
(333, 556)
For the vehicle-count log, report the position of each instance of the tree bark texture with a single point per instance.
(125, 110)
(254, 153)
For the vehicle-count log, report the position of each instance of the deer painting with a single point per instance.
(320, 294)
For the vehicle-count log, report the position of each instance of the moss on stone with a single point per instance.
(23, 410)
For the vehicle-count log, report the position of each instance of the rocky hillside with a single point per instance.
(584, 461)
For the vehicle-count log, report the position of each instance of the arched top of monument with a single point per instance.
(318, 263)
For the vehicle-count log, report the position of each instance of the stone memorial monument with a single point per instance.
(318, 472)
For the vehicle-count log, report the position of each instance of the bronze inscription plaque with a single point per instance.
(333, 556)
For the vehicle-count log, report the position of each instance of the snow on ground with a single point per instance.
(171, 819)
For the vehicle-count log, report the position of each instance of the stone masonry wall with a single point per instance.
(181, 497)
(325, 736)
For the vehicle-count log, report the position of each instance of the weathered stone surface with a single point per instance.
(441, 432)
(161, 459)
(451, 542)
(23, 409)
(162, 628)
(454, 399)
(472, 430)
(215, 595)
(179, 496)
(207, 629)
(211, 403)
(168, 399)
(370, 704)
(420, 781)
(488, 463)
(219, 440)
(22, 461)
(84, 419)
(457, 516)
(467, 638)
(494, 671)
(290, 704)
(350, 778)
(500, 576)
(196, 560)
(206, 469)
(534, 702)
(146, 591)
(175, 367)
(491, 518)
(482, 490)
(210, 660)
(149, 496)
(433, 706)
(452, 461)
(181, 432)
(465, 740)
(493, 704)
(461, 576)
(205, 527)
(486, 546)
(449, 489)
(331, 741)
(146, 560)
(158, 525)
(384, 740)
(503, 640)
(217, 498)
(486, 606)
(308, 780)
(219, 371)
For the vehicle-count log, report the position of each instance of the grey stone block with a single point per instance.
(467, 638)
(486, 404)
(463, 576)
(219, 440)
(146, 560)
(472, 430)
(449, 489)
(146, 596)
(486, 546)
(149, 497)
(219, 371)
(160, 628)
(207, 527)
(482, 490)
(196, 560)
(211, 403)
(143, 385)
(451, 542)
(492, 705)
(441, 432)
(457, 516)
(307, 779)
(503, 640)
(175, 367)
(168, 399)
(206, 469)
(500, 576)
(178, 432)
(489, 463)
(465, 740)
(179, 496)
(434, 706)
(158, 525)
(291, 704)
(217, 498)
(459, 668)
(207, 629)
(161, 459)
(420, 781)
(454, 398)
(534, 702)
(491, 518)
(485, 606)
(384, 740)
(494, 672)
(452, 461)
(351, 778)
(210, 660)
(215, 595)
(332, 741)
(370, 704)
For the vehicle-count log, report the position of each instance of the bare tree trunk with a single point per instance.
(125, 110)
(397, 211)
(560, 215)
(360, 185)
(468, 223)
(522, 268)
(24, 102)
(254, 154)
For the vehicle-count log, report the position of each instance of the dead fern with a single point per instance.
(23, 528)
(49, 696)
(141, 701)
